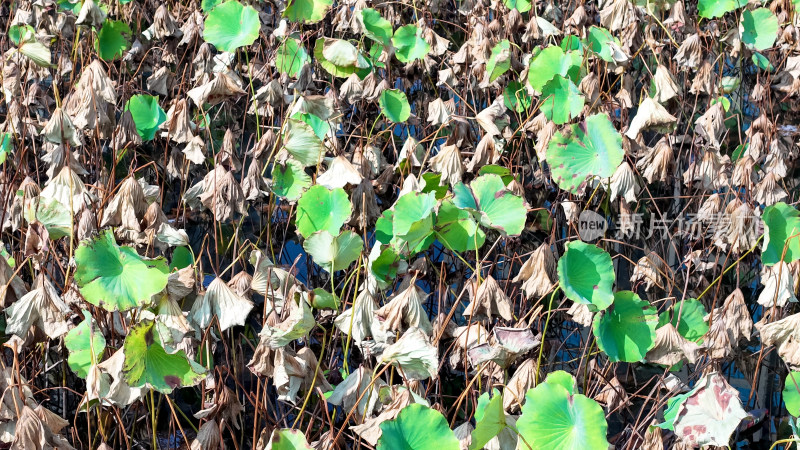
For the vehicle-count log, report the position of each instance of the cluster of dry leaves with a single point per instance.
(705, 131)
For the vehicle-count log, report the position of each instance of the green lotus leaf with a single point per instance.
(148, 364)
(590, 149)
(600, 41)
(413, 216)
(781, 234)
(516, 97)
(112, 40)
(24, 37)
(520, 5)
(759, 28)
(55, 217)
(394, 105)
(500, 60)
(791, 393)
(457, 229)
(307, 11)
(181, 258)
(320, 127)
(320, 208)
(417, 427)
(495, 205)
(334, 253)
(555, 418)
(322, 299)
(586, 275)
(288, 439)
(85, 344)
(762, 62)
(710, 9)
(117, 278)
(553, 61)
(340, 58)
(6, 146)
(490, 419)
(626, 331)
(208, 5)
(147, 115)
(561, 100)
(290, 180)
(376, 27)
(290, 57)
(302, 143)
(691, 323)
(231, 25)
(409, 44)
(673, 405)
(384, 266)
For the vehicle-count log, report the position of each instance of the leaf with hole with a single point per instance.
(112, 40)
(148, 364)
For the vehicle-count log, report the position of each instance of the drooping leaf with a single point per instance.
(231, 25)
(320, 208)
(147, 115)
(554, 417)
(590, 149)
(55, 217)
(24, 37)
(6, 146)
(553, 61)
(148, 364)
(413, 217)
(114, 277)
(409, 44)
(86, 345)
(302, 143)
(290, 57)
(376, 27)
(307, 11)
(759, 28)
(340, 58)
(627, 330)
(334, 253)
(112, 40)
(496, 206)
(394, 105)
(561, 100)
(490, 419)
(586, 275)
(417, 427)
(712, 396)
(500, 60)
(602, 42)
(781, 234)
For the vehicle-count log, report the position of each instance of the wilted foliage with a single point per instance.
(399, 225)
